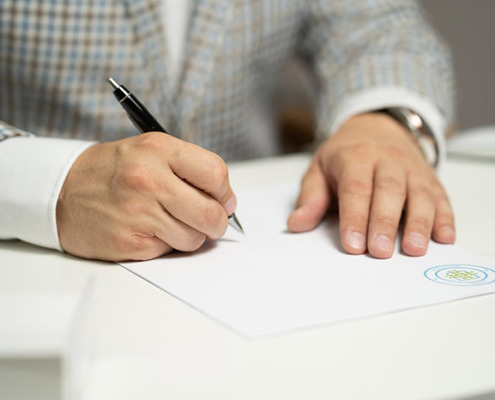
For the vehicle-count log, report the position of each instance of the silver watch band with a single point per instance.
(421, 131)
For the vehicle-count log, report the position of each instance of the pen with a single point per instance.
(145, 122)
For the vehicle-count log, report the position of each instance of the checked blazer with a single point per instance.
(56, 55)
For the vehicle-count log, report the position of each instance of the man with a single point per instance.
(137, 197)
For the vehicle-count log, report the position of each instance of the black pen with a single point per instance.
(145, 122)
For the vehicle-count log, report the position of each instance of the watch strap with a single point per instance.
(419, 129)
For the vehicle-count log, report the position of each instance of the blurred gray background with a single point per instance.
(468, 27)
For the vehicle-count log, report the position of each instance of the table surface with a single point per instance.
(148, 344)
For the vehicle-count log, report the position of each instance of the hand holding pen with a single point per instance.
(145, 122)
(143, 196)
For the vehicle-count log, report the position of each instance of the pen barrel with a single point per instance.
(137, 112)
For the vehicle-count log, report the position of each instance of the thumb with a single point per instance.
(313, 202)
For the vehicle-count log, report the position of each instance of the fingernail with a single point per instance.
(230, 205)
(356, 240)
(303, 209)
(447, 231)
(417, 239)
(383, 243)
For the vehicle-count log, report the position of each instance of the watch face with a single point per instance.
(415, 120)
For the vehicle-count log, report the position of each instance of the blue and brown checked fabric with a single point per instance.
(55, 57)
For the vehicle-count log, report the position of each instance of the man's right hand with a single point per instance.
(141, 197)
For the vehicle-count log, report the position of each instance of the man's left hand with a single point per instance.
(373, 170)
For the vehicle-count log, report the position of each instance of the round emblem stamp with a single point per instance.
(461, 274)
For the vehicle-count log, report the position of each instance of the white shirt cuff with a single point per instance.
(32, 172)
(394, 96)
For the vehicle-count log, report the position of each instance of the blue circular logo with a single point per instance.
(461, 274)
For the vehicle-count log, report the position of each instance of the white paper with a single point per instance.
(271, 281)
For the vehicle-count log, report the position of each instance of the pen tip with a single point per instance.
(234, 223)
(113, 83)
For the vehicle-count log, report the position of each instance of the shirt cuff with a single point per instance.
(394, 96)
(32, 172)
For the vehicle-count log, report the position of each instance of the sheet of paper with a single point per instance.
(271, 281)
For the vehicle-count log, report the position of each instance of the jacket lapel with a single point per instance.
(205, 36)
(145, 18)
(203, 43)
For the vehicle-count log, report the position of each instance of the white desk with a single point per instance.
(149, 345)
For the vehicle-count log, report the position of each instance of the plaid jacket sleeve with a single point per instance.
(359, 46)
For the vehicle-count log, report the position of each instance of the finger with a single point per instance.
(206, 171)
(355, 187)
(193, 207)
(419, 219)
(135, 242)
(444, 224)
(312, 203)
(141, 248)
(177, 234)
(389, 194)
(153, 232)
(155, 221)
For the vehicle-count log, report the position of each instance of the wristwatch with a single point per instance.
(421, 131)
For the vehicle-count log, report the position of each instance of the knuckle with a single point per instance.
(420, 223)
(358, 150)
(212, 217)
(139, 247)
(136, 244)
(391, 184)
(393, 152)
(193, 242)
(135, 207)
(217, 170)
(386, 222)
(128, 246)
(139, 178)
(423, 190)
(151, 140)
(359, 187)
